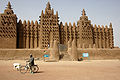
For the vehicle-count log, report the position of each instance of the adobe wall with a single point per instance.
(8, 43)
(101, 53)
(11, 54)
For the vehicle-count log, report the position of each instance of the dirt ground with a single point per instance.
(64, 70)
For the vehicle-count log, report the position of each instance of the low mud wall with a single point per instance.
(11, 54)
(101, 53)
(98, 54)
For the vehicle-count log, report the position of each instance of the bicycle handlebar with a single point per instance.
(27, 61)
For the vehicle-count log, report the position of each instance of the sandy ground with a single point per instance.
(64, 70)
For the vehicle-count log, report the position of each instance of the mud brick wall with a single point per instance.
(8, 43)
(11, 54)
(101, 53)
(95, 54)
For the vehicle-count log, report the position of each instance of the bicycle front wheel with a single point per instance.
(23, 69)
(35, 69)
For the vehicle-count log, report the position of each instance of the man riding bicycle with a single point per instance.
(31, 66)
(31, 62)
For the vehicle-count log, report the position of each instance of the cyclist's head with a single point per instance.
(30, 55)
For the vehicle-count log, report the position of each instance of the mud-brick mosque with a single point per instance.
(48, 30)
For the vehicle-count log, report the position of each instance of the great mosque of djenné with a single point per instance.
(30, 35)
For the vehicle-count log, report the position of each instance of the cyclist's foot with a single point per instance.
(31, 72)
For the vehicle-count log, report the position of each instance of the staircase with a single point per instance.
(64, 56)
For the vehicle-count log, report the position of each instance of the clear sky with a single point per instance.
(100, 12)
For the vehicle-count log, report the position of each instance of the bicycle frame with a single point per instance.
(24, 69)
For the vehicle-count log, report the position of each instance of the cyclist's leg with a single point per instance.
(31, 69)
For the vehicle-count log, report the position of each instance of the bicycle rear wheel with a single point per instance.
(35, 69)
(23, 69)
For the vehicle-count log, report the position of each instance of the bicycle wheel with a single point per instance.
(35, 69)
(23, 69)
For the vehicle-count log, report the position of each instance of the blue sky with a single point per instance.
(100, 12)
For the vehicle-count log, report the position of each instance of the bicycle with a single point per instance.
(24, 69)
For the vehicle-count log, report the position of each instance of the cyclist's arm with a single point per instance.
(28, 61)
